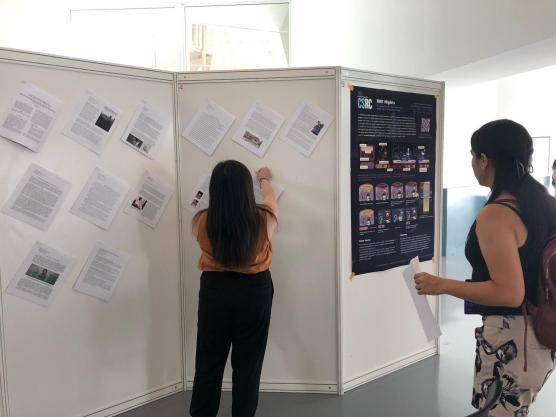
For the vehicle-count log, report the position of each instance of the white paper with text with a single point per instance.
(30, 116)
(258, 129)
(37, 197)
(100, 199)
(147, 130)
(100, 275)
(208, 126)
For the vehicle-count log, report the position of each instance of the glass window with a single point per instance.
(237, 36)
(542, 159)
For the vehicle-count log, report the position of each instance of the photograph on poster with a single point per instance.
(383, 156)
(398, 215)
(382, 192)
(403, 157)
(366, 192)
(384, 217)
(422, 158)
(366, 156)
(410, 213)
(42, 274)
(411, 190)
(425, 197)
(396, 191)
(366, 218)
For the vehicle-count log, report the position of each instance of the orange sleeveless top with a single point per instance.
(261, 261)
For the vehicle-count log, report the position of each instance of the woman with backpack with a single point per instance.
(235, 298)
(504, 247)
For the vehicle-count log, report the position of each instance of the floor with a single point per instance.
(435, 387)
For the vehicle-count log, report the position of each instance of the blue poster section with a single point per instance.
(393, 149)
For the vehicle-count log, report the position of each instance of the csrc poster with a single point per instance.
(393, 149)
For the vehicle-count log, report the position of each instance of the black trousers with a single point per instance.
(234, 310)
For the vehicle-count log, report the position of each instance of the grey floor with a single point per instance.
(435, 387)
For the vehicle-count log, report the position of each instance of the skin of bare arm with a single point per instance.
(500, 234)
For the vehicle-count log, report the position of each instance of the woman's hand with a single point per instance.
(264, 174)
(428, 284)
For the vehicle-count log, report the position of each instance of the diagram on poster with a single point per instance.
(37, 197)
(200, 196)
(100, 275)
(93, 122)
(148, 201)
(41, 275)
(393, 142)
(307, 127)
(208, 126)
(100, 199)
(146, 131)
(30, 116)
(258, 129)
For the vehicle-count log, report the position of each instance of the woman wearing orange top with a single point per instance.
(235, 298)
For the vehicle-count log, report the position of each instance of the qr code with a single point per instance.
(425, 124)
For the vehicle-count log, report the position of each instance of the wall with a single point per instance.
(414, 38)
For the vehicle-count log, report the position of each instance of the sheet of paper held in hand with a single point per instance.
(430, 325)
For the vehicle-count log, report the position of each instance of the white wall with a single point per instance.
(466, 109)
(417, 38)
(526, 98)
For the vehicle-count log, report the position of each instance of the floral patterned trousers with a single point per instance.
(500, 354)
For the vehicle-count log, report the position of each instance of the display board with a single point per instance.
(84, 355)
(97, 193)
(302, 346)
(381, 331)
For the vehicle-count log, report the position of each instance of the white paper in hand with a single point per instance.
(430, 325)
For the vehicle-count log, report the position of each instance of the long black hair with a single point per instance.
(510, 147)
(235, 223)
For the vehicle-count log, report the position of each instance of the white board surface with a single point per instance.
(301, 353)
(82, 355)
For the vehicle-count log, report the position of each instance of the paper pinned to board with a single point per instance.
(430, 325)
(200, 196)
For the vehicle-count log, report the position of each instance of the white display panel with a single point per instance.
(380, 326)
(328, 334)
(302, 346)
(81, 355)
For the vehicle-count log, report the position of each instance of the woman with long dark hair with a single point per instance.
(235, 298)
(504, 248)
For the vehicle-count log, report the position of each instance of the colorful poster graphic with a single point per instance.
(393, 142)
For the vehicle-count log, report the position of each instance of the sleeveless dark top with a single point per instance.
(480, 271)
